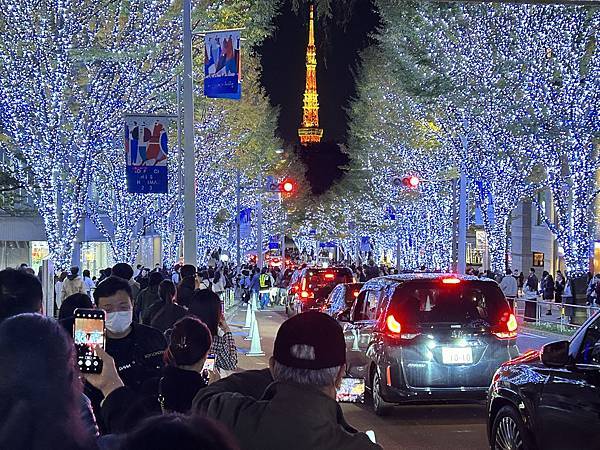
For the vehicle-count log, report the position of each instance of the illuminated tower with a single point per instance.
(310, 132)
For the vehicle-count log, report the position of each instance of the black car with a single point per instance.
(312, 287)
(549, 399)
(429, 337)
(341, 300)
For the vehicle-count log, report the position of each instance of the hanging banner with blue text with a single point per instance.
(245, 222)
(146, 151)
(222, 64)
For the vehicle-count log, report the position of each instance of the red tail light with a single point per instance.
(394, 329)
(450, 280)
(307, 294)
(507, 329)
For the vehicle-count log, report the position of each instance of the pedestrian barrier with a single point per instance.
(565, 316)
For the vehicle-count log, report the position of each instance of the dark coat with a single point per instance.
(302, 416)
(185, 291)
(124, 408)
(144, 302)
(162, 316)
(548, 287)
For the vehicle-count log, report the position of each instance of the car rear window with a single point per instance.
(432, 302)
(329, 277)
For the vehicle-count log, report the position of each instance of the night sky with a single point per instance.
(339, 41)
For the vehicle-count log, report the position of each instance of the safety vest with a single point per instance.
(264, 281)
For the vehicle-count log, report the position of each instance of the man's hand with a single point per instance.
(107, 381)
(213, 375)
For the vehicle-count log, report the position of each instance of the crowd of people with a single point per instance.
(154, 391)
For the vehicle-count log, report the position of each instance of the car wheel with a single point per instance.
(380, 406)
(509, 431)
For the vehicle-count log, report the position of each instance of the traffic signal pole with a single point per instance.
(190, 247)
(238, 206)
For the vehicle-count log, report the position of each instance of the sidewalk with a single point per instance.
(268, 324)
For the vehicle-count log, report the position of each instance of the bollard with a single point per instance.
(255, 347)
(355, 347)
(251, 331)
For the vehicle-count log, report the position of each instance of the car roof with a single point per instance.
(378, 283)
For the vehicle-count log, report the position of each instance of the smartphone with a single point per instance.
(352, 390)
(89, 334)
(209, 364)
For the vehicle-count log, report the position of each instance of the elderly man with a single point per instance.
(298, 410)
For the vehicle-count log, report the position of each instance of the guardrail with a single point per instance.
(565, 316)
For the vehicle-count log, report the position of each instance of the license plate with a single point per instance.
(460, 355)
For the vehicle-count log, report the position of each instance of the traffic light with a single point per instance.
(287, 186)
(411, 181)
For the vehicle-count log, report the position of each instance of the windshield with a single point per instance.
(329, 277)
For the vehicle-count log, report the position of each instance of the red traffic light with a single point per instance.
(287, 186)
(411, 182)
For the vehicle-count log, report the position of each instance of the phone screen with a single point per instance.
(209, 364)
(88, 334)
(352, 390)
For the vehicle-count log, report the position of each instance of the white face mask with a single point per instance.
(120, 321)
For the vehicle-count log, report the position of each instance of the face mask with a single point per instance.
(120, 321)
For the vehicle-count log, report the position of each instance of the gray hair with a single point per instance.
(313, 377)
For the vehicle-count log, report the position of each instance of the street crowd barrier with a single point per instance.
(564, 316)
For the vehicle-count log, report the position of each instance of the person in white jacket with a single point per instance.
(509, 287)
(73, 284)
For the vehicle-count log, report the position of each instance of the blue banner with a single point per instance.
(365, 244)
(147, 150)
(245, 222)
(222, 65)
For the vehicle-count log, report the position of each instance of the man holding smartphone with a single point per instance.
(137, 349)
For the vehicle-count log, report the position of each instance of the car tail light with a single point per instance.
(507, 329)
(307, 294)
(450, 280)
(394, 329)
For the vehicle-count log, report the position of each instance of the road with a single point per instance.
(449, 426)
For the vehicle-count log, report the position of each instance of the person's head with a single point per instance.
(113, 295)
(138, 267)
(532, 271)
(264, 270)
(545, 274)
(63, 276)
(206, 306)
(74, 271)
(107, 272)
(122, 270)
(167, 291)
(154, 279)
(508, 272)
(190, 342)
(188, 270)
(71, 303)
(23, 266)
(170, 431)
(310, 349)
(39, 385)
(86, 273)
(20, 293)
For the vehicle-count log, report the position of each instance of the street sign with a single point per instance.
(245, 222)
(365, 244)
(271, 184)
(327, 244)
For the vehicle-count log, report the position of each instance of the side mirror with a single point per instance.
(556, 354)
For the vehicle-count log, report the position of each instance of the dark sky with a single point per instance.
(339, 41)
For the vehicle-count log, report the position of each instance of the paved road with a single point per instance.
(455, 426)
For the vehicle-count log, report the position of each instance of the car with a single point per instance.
(340, 301)
(549, 399)
(428, 337)
(312, 286)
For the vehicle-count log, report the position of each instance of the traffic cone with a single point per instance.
(251, 331)
(255, 348)
(355, 347)
(248, 323)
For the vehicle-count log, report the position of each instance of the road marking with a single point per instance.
(525, 333)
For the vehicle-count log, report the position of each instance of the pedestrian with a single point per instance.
(372, 271)
(175, 431)
(88, 282)
(171, 391)
(255, 286)
(308, 363)
(266, 282)
(66, 313)
(591, 293)
(73, 284)
(559, 287)
(187, 285)
(547, 286)
(40, 391)
(19, 293)
(508, 285)
(137, 349)
(147, 298)
(164, 314)
(206, 306)
(125, 271)
(531, 295)
(175, 277)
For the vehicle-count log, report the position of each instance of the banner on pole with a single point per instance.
(365, 244)
(146, 152)
(222, 64)
(245, 222)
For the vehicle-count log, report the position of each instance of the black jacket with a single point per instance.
(144, 302)
(185, 291)
(124, 408)
(162, 316)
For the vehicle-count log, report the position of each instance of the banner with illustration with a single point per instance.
(147, 153)
(222, 64)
